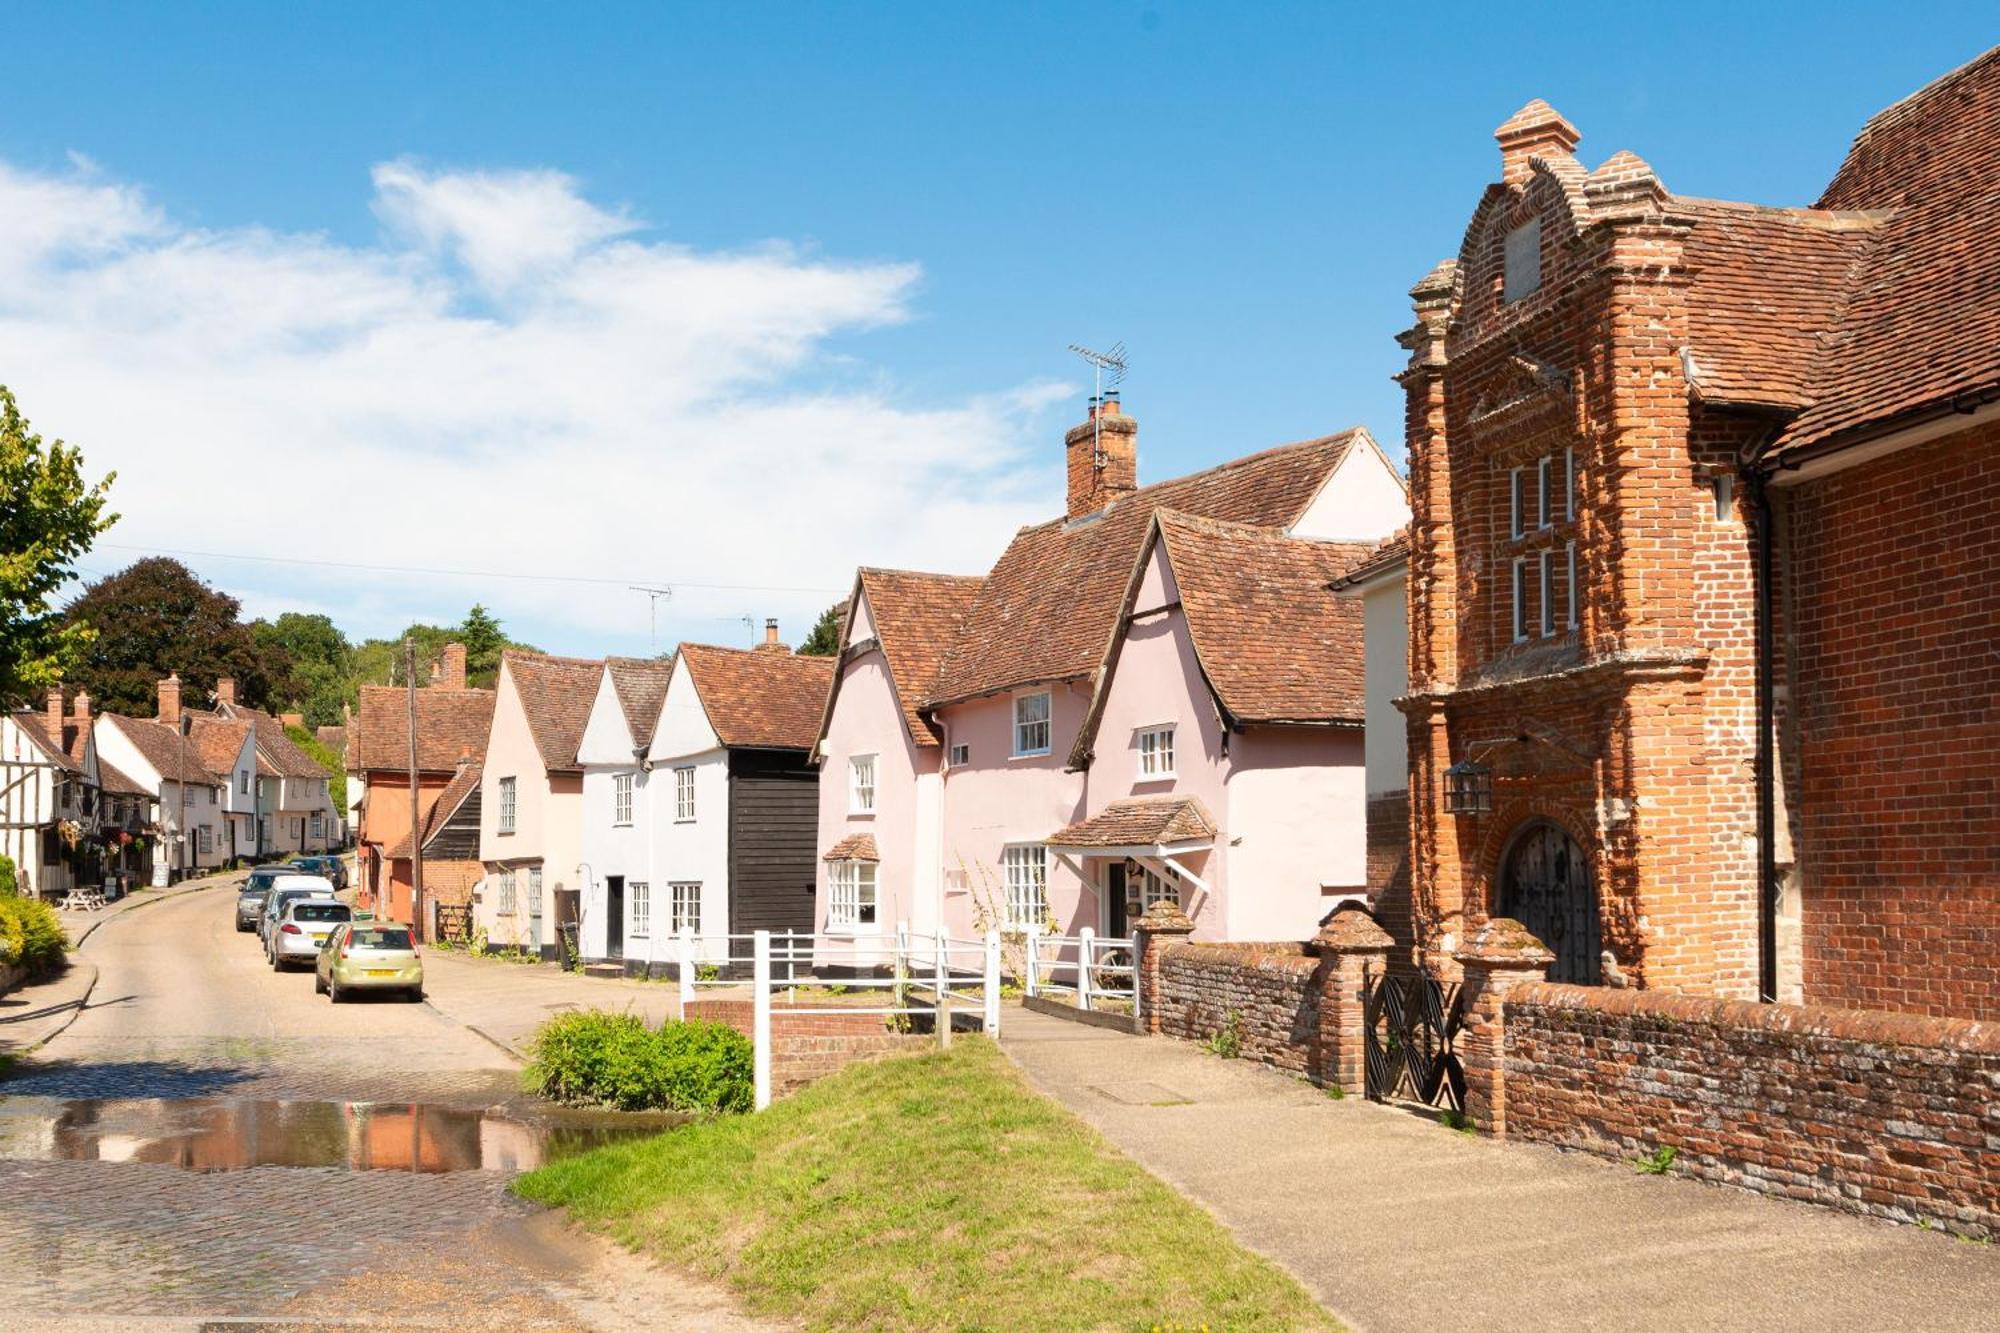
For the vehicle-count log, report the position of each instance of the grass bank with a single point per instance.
(933, 1191)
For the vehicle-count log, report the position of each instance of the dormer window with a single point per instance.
(1523, 261)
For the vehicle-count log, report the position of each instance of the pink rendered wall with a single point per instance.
(1298, 800)
(994, 800)
(867, 720)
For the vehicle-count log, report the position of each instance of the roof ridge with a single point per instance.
(527, 655)
(919, 573)
(1908, 103)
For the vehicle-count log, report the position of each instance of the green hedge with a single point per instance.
(31, 936)
(599, 1058)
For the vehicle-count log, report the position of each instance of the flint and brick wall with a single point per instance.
(1272, 989)
(808, 1043)
(1883, 1114)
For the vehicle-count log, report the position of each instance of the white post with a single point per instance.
(1085, 939)
(991, 1018)
(684, 954)
(760, 1026)
(902, 963)
(941, 992)
(1032, 965)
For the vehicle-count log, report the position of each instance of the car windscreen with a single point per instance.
(316, 911)
(285, 896)
(378, 937)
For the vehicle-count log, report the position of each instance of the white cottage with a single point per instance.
(619, 792)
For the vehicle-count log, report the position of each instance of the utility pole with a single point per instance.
(416, 822)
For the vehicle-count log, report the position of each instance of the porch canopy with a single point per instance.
(1156, 831)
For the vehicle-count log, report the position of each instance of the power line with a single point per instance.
(456, 573)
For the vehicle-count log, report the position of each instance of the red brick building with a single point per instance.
(1704, 581)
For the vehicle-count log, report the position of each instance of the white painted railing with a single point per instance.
(1082, 965)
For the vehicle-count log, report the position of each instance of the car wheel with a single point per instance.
(415, 994)
(333, 994)
(319, 983)
(277, 962)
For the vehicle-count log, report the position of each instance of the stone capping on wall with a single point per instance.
(1879, 1027)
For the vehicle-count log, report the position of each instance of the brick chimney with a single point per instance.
(170, 699)
(449, 673)
(1536, 130)
(291, 719)
(225, 691)
(79, 709)
(55, 718)
(772, 643)
(1103, 457)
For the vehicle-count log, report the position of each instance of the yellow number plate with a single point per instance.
(381, 971)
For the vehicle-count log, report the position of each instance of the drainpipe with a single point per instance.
(1756, 485)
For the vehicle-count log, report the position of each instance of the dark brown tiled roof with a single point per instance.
(853, 847)
(1047, 609)
(36, 727)
(114, 781)
(442, 809)
(1146, 821)
(917, 618)
(556, 694)
(219, 741)
(641, 686)
(449, 723)
(762, 700)
(161, 747)
(1275, 644)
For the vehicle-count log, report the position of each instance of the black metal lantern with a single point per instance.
(1468, 788)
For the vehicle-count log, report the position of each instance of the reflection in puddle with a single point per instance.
(230, 1134)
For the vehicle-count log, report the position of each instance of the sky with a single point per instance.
(381, 310)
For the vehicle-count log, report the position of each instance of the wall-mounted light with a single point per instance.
(1468, 788)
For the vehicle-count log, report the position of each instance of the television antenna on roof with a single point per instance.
(653, 596)
(1109, 366)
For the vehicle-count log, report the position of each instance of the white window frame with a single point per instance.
(242, 782)
(1569, 485)
(621, 800)
(684, 906)
(534, 890)
(1025, 875)
(639, 904)
(1723, 487)
(1025, 729)
(1569, 605)
(204, 838)
(852, 886)
(1544, 506)
(1548, 593)
(1517, 502)
(961, 754)
(505, 907)
(509, 805)
(1156, 751)
(861, 784)
(1520, 599)
(318, 827)
(684, 794)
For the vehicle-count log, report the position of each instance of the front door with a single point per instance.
(1115, 921)
(614, 916)
(1545, 885)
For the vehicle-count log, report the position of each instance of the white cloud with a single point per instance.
(511, 378)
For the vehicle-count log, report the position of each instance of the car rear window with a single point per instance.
(379, 937)
(310, 911)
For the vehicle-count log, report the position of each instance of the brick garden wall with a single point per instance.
(1271, 989)
(1884, 1114)
(810, 1042)
(1389, 871)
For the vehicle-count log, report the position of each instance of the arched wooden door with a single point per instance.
(1545, 885)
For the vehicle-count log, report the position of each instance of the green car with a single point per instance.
(369, 955)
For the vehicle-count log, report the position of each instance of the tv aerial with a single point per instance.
(1110, 370)
(653, 596)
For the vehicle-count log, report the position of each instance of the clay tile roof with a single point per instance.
(449, 800)
(449, 723)
(113, 780)
(917, 618)
(218, 741)
(641, 686)
(1391, 552)
(760, 700)
(333, 738)
(556, 694)
(1921, 325)
(284, 755)
(1048, 607)
(1141, 822)
(853, 847)
(1274, 642)
(36, 727)
(161, 747)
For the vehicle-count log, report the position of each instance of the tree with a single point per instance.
(484, 642)
(321, 660)
(324, 756)
(48, 517)
(154, 617)
(824, 641)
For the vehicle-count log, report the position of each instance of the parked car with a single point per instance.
(305, 926)
(369, 955)
(333, 867)
(285, 890)
(250, 900)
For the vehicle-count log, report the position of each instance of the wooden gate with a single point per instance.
(1545, 885)
(1412, 1026)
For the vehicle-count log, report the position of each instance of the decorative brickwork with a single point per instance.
(1266, 994)
(1885, 1114)
(1355, 949)
(1501, 959)
(1163, 924)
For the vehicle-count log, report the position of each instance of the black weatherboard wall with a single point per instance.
(773, 835)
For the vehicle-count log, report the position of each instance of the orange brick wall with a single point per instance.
(807, 1044)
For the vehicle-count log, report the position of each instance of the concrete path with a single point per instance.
(1396, 1222)
(505, 1002)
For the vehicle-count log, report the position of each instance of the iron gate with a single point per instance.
(1413, 1024)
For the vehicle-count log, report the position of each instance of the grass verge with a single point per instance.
(932, 1191)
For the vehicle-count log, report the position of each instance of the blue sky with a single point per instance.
(1243, 194)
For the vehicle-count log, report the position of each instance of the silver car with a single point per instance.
(250, 899)
(285, 890)
(304, 928)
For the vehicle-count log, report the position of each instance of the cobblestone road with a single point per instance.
(185, 1007)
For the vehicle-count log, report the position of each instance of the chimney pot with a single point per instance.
(772, 643)
(291, 719)
(170, 698)
(1536, 130)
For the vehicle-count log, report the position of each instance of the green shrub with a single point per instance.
(599, 1058)
(31, 935)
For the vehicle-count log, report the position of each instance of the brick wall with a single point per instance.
(1271, 989)
(810, 1042)
(1389, 871)
(1895, 599)
(1883, 1114)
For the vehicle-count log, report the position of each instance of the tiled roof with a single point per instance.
(333, 738)
(114, 781)
(449, 800)
(763, 700)
(1390, 553)
(161, 747)
(1048, 607)
(853, 847)
(36, 727)
(219, 741)
(917, 618)
(641, 686)
(1274, 642)
(449, 723)
(1147, 821)
(285, 757)
(1921, 324)
(556, 694)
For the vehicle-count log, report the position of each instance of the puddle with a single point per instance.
(232, 1133)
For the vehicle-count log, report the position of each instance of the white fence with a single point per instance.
(1090, 969)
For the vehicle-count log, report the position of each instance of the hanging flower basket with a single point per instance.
(70, 832)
